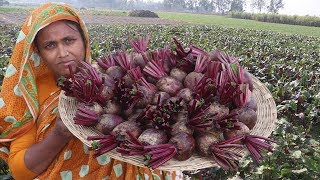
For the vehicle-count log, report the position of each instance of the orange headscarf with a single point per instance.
(19, 98)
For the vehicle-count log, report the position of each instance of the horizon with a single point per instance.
(291, 7)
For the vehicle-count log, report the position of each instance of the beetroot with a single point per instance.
(217, 110)
(247, 116)
(181, 147)
(181, 124)
(138, 61)
(252, 103)
(192, 79)
(118, 135)
(178, 74)
(209, 145)
(204, 141)
(115, 72)
(153, 137)
(185, 94)
(248, 79)
(112, 107)
(160, 97)
(239, 130)
(108, 122)
(143, 87)
(165, 83)
(94, 107)
(170, 85)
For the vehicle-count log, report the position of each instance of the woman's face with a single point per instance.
(60, 44)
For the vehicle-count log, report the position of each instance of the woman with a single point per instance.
(34, 141)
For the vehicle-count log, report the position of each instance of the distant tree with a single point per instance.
(237, 5)
(179, 4)
(275, 5)
(222, 6)
(206, 5)
(168, 4)
(191, 4)
(258, 4)
(4, 3)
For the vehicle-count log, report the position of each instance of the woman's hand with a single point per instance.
(61, 129)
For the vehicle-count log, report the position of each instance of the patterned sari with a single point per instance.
(29, 100)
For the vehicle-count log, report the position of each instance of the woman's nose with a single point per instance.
(63, 52)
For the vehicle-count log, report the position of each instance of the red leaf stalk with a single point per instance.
(124, 60)
(140, 44)
(131, 146)
(86, 117)
(255, 144)
(106, 62)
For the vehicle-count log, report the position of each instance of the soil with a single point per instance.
(18, 18)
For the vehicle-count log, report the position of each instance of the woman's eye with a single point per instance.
(69, 41)
(50, 45)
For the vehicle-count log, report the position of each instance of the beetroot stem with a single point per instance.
(256, 155)
(157, 146)
(158, 163)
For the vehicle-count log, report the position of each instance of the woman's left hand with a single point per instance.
(61, 129)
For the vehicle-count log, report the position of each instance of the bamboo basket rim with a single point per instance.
(266, 123)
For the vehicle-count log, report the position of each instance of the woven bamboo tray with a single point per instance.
(266, 118)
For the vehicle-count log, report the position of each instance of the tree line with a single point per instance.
(201, 6)
(223, 6)
(197, 6)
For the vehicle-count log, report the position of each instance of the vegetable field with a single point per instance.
(288, 65)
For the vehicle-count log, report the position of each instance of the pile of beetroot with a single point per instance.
(168, 103)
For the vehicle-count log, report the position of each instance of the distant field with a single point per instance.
(198, 19)
(240, 23)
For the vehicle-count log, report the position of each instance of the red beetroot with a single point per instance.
(165, 83)
(106, 143)
(99, 69)
(153, 137)
(112, 107)
(181, 124)
(248, 79)
(186, 94)
(209, 145)
(217, 111)
(138, 61)
(115, 72)
(143, 87)
(108, 122)
(170, 85)
(247, 116)
(178, 74)
(94, 107)
(163, 98)
(181, 147)
(252, 103)
(133, 115)
(192, 79)
(240, 130)
(204, 141)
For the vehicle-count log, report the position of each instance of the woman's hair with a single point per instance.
(69, 23)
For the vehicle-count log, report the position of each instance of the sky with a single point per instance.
(293, 7)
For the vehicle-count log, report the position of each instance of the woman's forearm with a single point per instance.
(39, 156)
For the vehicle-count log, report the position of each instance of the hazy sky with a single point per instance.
(292, 7)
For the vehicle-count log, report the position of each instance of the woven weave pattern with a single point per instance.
(266, 118)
